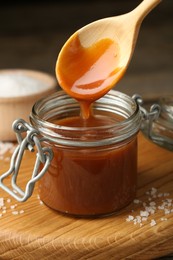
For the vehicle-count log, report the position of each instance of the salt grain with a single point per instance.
(1, 202)
(160, 195)
(161, 207)
(12, 206)
(167, 211)
(169, 200)
(144, 213)
(153, 223)
(15, 212)
(163, 219)
(166, 194)
(138, 219)
(130, 218)
(153, 191)
(152, 203)
(6, 147)
(136, 201)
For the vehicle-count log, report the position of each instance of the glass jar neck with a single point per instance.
(60, 106)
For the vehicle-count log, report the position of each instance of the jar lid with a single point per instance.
(162, 128)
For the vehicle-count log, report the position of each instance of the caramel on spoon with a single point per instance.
(96, 56)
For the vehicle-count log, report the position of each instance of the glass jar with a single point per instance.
(94, 169)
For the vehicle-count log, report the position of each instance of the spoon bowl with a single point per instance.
(95, 57)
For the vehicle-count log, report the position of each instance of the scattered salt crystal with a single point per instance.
(138, 219)
(15, 212)
(5, 147)
(169, 200)
(21, 211)
(167, 211)
(166, 194)
(41, 202)
(160, 195)
(8, 200)
(153, 191)
(136, 201)
(12, 206)
(161, 207)
(130, 218)
(152, 203)
(1, 202)
(163, 219)
(149, 209)
(152, 206)
(152, 211)
(144, 213)
(153, 223)
(135, 221)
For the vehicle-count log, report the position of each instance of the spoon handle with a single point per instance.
(141, 11)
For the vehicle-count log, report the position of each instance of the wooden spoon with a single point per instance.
(95, 57)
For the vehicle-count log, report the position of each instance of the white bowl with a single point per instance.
(29, 86)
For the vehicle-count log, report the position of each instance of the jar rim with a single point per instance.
(123, 129)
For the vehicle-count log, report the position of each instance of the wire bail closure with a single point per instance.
(44, 156)
(148, 120)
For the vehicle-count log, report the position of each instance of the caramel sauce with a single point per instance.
(90, 182)
(88, 73)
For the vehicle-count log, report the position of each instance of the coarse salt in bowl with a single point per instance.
(19, 90)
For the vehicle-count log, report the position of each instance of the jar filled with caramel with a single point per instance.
(94, 167)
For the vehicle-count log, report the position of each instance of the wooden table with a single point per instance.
(34, 231)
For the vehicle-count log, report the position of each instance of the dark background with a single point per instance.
(33, 32)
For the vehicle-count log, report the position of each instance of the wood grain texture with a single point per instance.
(40, 232)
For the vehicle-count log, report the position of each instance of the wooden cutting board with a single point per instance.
(31, 230)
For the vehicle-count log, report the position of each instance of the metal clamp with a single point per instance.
(150, 124)
(148, 117)
(44, 156)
